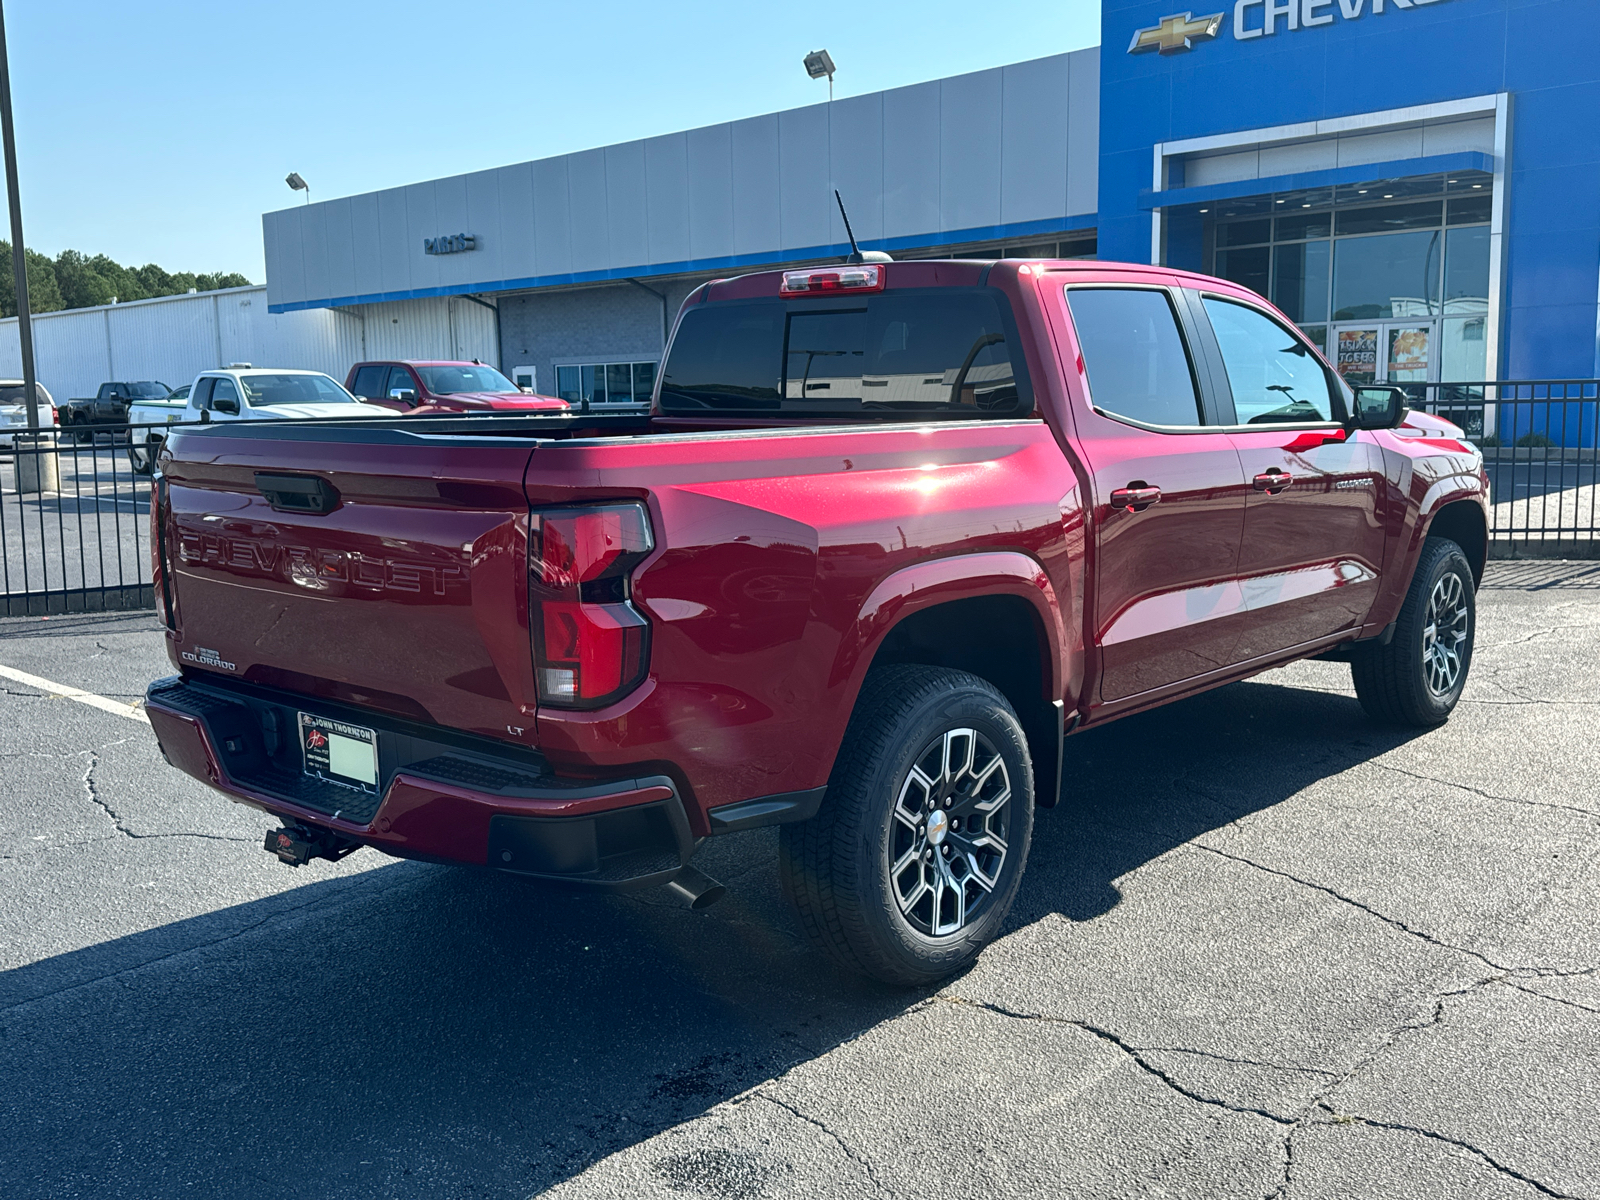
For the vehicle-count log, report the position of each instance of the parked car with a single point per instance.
(891, 532)
(145, 419)
(14, 409)
(108, 407)
(242, 393)
(423, 387)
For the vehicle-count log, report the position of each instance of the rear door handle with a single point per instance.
(1136, 497)
(1274, 481)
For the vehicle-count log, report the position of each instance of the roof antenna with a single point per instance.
(857, 255)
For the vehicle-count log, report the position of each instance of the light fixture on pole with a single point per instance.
(299, 184)
(818, 64)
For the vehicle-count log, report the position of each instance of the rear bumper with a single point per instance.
(438, 798)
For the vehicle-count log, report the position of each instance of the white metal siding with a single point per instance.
(1007, 146)
(175, 338)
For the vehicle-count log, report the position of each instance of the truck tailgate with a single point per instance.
(408, 595)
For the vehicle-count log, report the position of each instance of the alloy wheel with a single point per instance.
(948, 832)
(1444, 634)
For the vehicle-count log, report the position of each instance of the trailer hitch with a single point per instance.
(299, 844)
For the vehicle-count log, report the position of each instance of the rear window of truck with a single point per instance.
(910, 354)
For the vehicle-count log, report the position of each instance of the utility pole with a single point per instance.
(19, 258)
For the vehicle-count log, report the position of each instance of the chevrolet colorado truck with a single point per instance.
(889, 534)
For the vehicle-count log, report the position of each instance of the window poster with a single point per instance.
(1356, 354)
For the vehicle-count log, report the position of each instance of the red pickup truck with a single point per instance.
(414, 386)
(889, 534)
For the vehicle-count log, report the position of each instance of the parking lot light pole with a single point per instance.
(19, 259)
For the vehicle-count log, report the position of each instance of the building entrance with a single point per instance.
(1386, 351)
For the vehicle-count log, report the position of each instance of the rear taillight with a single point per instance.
(834, 279)
(590, 645)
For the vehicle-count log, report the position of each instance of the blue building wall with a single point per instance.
(1542, 52)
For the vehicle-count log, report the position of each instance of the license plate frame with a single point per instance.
(339, 752)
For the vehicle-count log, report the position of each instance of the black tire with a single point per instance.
(1417, 679)
(143, 459)
(838, 869)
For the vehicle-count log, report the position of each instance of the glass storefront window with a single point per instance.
(1317, 335)
(1471, 210)
(1244, 233)
(605, 383)
(619, 383)
(1300, 280)
(1466, 271)
(1410, 353)
(1390, 218)
(1463, 350)
(644, 381)
(1393, 275)
(567, 384)
(1247, 267)
(1306, 225)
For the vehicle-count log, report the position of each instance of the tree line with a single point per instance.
(74, 280)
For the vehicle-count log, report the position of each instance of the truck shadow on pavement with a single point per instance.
(420, 1031)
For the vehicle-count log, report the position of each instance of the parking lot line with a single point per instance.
(132, 711)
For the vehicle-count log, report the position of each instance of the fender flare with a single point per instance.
(938, 581)
(1442, 493)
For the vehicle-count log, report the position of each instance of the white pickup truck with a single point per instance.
(239, 393)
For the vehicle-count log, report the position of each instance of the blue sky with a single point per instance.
(159, 131)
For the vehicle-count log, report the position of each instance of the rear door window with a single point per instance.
(913, 354)
(201, 396)
(1137, 363)
(369, 382)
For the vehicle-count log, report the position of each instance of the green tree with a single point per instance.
(75, 280)
(81, 286)
(44, 295)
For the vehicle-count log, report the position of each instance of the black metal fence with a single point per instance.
(75, 507)
(1538, 439)
(74, 522)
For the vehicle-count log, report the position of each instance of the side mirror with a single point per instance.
(226, 406)
(406, 396)
(1378, 406)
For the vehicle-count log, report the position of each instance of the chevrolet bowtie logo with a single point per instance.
(1176, 33)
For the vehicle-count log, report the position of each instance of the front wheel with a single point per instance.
(910, 866)
(1418, 678)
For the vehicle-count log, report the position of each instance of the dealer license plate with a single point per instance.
(341, 753)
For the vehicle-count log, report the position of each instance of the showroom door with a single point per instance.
(1387, 352)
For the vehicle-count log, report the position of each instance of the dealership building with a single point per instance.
(1416, 183)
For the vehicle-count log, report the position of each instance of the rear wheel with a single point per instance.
(910, 866)
(1418, 678)
(143, 458)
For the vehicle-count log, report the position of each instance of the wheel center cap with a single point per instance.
(938, 826)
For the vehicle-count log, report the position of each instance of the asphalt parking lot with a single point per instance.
(1264, 949)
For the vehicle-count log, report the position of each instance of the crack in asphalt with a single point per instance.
(1243, 1062)
(844, 1147)
(1588, 812)
(1553, 999)
(1395, 922)
(1319, 1102)
(1135, 1054)
(1338, 1118)
(116, 818)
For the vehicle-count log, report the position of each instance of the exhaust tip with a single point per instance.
(696, 888)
